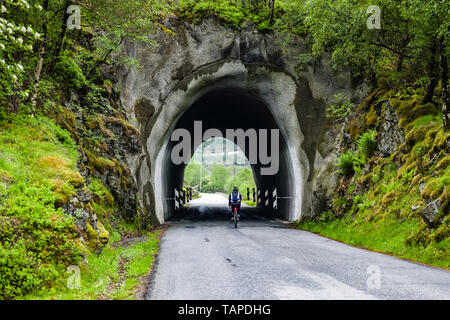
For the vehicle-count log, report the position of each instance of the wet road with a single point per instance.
(203, 256)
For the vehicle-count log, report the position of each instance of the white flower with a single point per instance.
(23, 29)
(39, 7)
(3, 9)
(20, 67)
(37, 36)
(29, 30)
(30, 47)
(9, 30)
(14, 77)
(26, 94)
(20, 40)
(2, 61)
(2, 46)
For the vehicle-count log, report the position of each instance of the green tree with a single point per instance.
(218, 177)
(192, 174)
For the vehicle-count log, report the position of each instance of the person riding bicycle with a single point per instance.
(234, 201)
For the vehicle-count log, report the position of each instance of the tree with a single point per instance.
(16, 44)
(192, 174)
(218, 177)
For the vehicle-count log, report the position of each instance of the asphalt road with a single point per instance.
(203, 256)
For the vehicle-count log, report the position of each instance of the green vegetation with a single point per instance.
(114, 274)
(37, 170)
(232, 13)
(219, 178)
(46, 164)
(387, 236)
(374, 209)
(250, 203)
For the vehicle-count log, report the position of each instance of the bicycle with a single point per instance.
(235, 216)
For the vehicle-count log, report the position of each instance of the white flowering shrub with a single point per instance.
(16, 43)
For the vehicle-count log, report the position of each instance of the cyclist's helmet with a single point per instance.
(235, 189)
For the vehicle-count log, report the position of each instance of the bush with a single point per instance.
(67, 71)
(342, 109)
(367, 143)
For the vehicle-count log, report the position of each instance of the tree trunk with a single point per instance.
(400, 64)
(272, 9)
(445, 87)
(40, 62)
(433, 70)
(59, 44)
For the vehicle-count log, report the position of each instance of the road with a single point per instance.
(203, 256)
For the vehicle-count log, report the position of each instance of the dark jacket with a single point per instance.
(231, 203)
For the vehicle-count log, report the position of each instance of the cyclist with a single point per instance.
(234, 201)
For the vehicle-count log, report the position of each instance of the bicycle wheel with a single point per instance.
(235, 220)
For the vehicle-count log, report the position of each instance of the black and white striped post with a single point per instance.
(259, 197)
(274, 199)
(254, 195)
(177, 195)
(266, 196)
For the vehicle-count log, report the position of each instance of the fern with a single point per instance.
(367, 143)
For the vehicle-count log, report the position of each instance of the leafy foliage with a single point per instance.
(232, 13)
(345, 162)
(36, 241)
(367, 143)
(342, 109)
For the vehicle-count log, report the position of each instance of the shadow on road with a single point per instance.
(214, 208)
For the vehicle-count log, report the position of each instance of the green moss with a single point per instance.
(101, 194)
(371, 118)
(103, 234)
(37, 240)
(96, 123)
(412, 109)
(66, 120)
(99, 164)
(129, 129)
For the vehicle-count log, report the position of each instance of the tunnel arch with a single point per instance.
(233, 108)
(278, 92)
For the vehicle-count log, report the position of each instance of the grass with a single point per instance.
(373, 209)
(115, 273)
(38, 241)
(37, 168)
(387, 237)
(250, 203)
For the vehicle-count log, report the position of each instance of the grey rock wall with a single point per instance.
(194, 61)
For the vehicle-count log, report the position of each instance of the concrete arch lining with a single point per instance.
(276, 90)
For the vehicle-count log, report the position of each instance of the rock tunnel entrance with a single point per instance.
(234, 109)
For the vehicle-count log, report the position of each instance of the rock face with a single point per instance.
(431, 212)
(194, 65)
(390, 135)
(325, 175)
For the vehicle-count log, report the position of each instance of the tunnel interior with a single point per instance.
(234, 109)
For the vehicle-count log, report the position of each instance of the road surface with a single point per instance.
(203, 256)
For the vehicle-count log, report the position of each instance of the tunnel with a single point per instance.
(233, 109)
